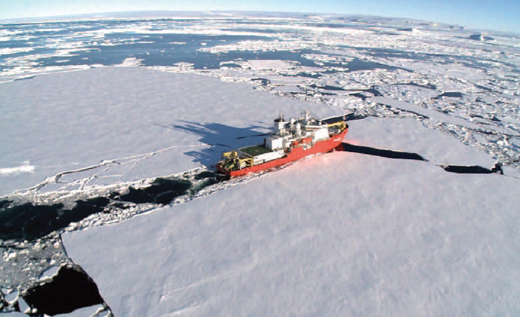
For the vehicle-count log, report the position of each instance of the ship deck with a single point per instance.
(255, 150)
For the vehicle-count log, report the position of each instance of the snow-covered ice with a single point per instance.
(410, 136)
(92, 311)
(108, 125)
(337, 234)
(49, 273)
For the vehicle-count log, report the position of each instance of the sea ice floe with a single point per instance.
(9, 51)
(130, 62)
(324, 215)
(138, 121)
(49, 273)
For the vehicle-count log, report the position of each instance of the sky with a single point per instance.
(501, 15)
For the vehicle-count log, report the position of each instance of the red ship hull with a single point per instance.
(295, 154)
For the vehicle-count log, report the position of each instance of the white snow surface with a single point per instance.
(408, 135)
(84, 312)
(109, 125)
(339, 234)
(50, 273)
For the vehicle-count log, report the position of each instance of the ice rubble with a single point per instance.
(23, 262)
(336, 234)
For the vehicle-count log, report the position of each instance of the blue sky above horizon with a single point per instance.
(501, 15)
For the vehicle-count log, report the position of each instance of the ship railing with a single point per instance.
(313, 127)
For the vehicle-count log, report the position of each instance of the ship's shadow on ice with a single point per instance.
(392, 154)
(221, 138)
(347, 147)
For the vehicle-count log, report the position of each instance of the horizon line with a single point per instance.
(81, 16)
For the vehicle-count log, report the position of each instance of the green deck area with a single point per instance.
(255, 150)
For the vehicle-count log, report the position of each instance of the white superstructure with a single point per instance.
(285, 133)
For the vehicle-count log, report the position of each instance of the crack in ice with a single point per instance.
(55, 179)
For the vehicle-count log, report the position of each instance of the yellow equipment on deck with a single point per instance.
(341, 125)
